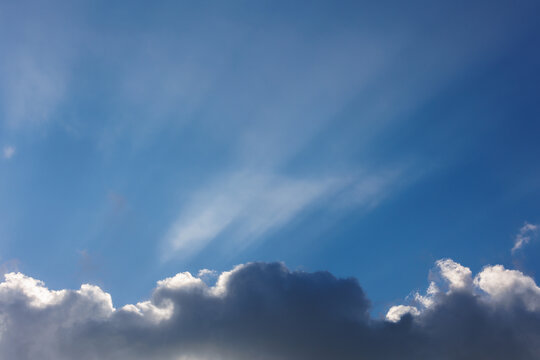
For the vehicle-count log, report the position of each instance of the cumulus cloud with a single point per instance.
(494, 286)
(397, 312)
(507, 286)
(266, 311)
(524, 236)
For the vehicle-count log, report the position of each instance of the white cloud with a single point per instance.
(246, 204)
(208, 276)
(524, 236)
(32, 290)
(397, 312)
(8, 152)
(150, 312)
(506, 286)
(427, 300)
(449, 275)
(266, 308)
(458, 277)
(180, 280)
(206, 273)
(494, 286)
(19, 288)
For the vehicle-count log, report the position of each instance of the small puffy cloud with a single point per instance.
(8, 151)
(266, 311)
(208, 276)
(506, 286)
(395, 313)
(180, 280)
(524, 236)
(149, 311)
(206, 273)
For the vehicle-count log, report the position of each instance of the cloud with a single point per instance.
(397, 312)
(494, 286)
(266, 311)
(506, 286)
(8, 152)
(247, 206)
(524, 236)
(458, 277)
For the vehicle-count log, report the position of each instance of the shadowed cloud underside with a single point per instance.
(266, 311)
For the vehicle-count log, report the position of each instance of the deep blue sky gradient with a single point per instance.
(364, 139)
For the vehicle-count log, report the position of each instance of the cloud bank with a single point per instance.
(266, 311)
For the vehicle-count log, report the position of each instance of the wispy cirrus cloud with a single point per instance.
(249, 206)
(246, 204)
(526, 233)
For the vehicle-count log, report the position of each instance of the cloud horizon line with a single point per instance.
(266, 311)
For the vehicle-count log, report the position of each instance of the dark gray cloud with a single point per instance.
(265, 311)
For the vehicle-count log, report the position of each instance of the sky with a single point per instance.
(360, 154)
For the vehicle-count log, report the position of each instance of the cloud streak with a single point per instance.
(266, 311)
(524, 236)
(249, 206)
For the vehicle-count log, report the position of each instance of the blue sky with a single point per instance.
(368, 140)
